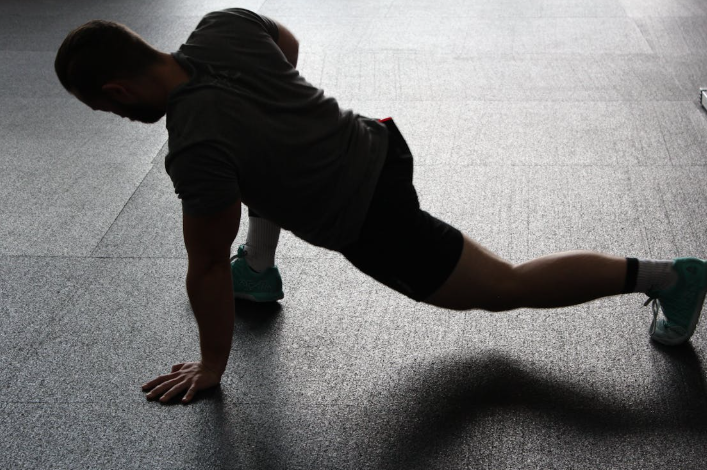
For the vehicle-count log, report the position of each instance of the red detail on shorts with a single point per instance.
(386, 119)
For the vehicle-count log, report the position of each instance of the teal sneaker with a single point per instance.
(681, 304)
(250, 285)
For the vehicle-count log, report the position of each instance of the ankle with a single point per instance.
(653, 275)
(259, 258)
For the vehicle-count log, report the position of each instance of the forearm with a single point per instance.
(211, 295)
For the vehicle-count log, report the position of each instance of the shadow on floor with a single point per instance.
(254, 320)
(249, 437)
(436, 406)
(257, 316)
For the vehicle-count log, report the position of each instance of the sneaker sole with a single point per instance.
(259, 298)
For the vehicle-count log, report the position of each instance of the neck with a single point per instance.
(172, 74)
(163, 78)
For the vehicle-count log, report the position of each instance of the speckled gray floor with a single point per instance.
(537, 126)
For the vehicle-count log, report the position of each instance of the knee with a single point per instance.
(501, 303)
(496, 289)
(507, 294)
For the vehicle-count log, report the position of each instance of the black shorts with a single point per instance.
(401, 245)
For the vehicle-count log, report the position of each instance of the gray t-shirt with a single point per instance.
(248, 126)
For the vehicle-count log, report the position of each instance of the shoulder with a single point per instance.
(246, 20)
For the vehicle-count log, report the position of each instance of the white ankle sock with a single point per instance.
(655, 275)
(261, 243)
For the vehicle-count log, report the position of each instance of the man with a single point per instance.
(244, 126)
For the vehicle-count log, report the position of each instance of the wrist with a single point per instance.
(214, 368)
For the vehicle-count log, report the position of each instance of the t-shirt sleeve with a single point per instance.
(204, 178)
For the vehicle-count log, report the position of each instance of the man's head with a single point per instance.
(108, 67)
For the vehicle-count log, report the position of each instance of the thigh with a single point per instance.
(401, 245)
(414, 257)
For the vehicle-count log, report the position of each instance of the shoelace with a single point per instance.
(241, 253)
(655, 306)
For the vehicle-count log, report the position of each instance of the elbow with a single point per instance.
(201, 277)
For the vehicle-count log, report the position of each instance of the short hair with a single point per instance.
(99, 51)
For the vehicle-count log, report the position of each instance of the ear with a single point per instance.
(118, 92)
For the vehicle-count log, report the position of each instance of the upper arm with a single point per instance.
(208, 239)
(287, 43)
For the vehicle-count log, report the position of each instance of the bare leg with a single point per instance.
(483, 280)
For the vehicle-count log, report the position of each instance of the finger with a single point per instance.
(174, 390)
(159, 380)
(190, 394)
(176, 367)
(160, 389)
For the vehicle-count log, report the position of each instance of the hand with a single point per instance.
(189, 376)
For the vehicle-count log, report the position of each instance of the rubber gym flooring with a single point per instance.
(537, 126)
